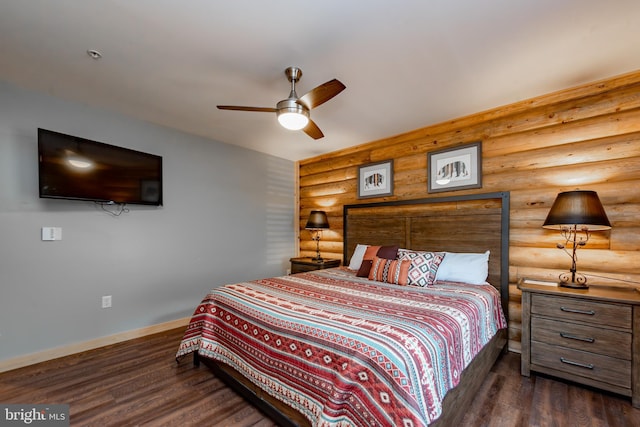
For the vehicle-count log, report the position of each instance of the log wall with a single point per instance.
(586, 138)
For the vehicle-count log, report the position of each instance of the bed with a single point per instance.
(331, 348)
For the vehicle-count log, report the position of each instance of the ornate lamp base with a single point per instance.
(317, 258)
(573, 280)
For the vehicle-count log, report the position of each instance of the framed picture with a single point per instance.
(458, 168)
(375, 179)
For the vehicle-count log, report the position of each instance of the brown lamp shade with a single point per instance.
(317, 221)
(577, 208)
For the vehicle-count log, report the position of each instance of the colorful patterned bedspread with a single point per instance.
(346, 351)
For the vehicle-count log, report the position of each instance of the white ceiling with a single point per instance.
(406, 63)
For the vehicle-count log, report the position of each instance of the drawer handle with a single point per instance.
(573, 310)
(575, 337)
(581, 365)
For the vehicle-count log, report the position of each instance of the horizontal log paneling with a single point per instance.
(565, 133)
(586, 137)
(616, 147)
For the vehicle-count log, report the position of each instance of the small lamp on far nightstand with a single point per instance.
(572, 212)
(317, 222)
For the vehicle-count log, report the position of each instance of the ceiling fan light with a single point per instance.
(292, 115)
(293, 121)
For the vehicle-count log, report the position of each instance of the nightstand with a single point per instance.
(589, 336)
(300, 265)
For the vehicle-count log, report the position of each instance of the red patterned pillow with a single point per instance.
(424, 266)
(389, 270)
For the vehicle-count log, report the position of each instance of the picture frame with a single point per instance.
(458, 168)
(375, 179)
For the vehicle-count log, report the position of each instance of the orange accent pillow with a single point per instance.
(371, 252)
(393, 271)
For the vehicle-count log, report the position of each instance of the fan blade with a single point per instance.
(238, 108)
(313, 130)
(322, 93)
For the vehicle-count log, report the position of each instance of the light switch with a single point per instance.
(51, 233)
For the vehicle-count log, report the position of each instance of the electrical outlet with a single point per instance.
(106, 301)
(51, 233)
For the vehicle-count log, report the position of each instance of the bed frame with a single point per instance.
(469, 223)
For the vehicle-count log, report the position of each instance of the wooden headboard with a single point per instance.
(469, 223)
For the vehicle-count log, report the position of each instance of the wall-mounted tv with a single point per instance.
(75, 168)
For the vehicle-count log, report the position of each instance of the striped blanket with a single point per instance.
(346, 351)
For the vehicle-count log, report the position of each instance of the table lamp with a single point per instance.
(316, 223)
(576, 212)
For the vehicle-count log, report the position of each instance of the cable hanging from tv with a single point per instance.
(120, 208)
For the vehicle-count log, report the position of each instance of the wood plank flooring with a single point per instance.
(138, 382)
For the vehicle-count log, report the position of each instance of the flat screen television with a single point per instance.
(75, 168)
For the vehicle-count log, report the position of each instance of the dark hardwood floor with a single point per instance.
(139, 383)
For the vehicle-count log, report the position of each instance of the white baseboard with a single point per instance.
(54, 353)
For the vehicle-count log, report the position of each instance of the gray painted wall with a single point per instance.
(227, 216)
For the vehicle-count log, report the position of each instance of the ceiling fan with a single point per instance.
(293, 112)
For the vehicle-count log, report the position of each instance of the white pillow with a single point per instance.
(356, 258)
(464, 267)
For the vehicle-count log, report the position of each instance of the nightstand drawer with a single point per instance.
(582, 310)
(582, 337)
(593, 366)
